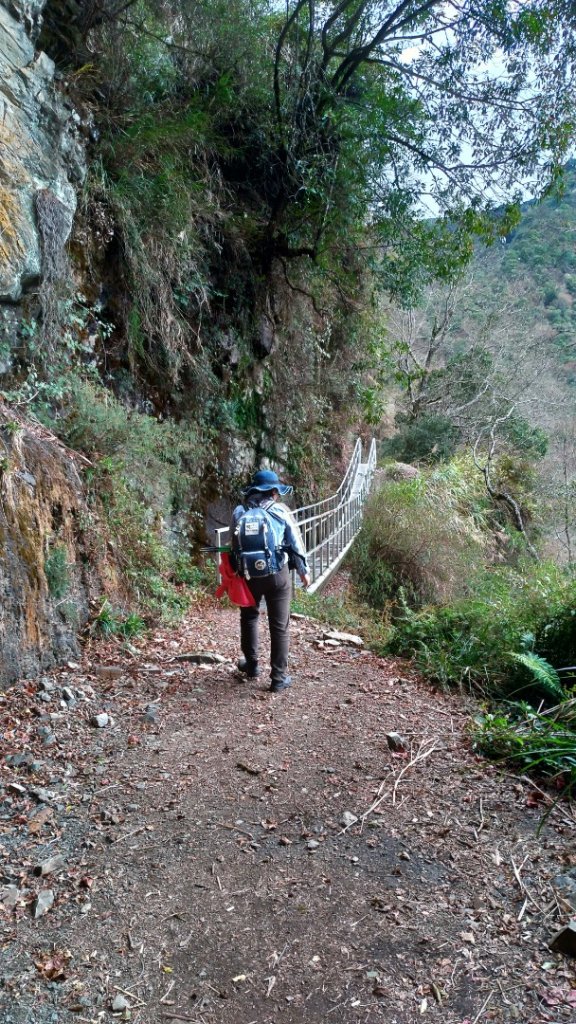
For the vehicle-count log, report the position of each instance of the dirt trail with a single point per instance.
(209, 876)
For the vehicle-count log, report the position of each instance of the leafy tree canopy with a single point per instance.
(385, 106)
(338, 114)
(331, 116)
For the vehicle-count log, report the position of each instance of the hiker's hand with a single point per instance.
(306, 581)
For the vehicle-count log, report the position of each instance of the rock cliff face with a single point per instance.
(40, 152)
(47, 546)
(52, 563)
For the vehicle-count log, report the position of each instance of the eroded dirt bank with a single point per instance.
(209, 874)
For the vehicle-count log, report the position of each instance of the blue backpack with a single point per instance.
(253, 546)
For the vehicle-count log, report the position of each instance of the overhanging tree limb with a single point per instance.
(394, 22)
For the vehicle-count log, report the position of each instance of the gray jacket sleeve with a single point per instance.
(293, 543)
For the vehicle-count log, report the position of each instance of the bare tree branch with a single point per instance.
(498, 493)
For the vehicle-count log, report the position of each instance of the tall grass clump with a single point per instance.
(422, 538)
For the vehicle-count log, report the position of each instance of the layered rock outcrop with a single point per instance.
(53, 562)
(40, 151)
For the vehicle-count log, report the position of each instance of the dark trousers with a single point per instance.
(277, 592)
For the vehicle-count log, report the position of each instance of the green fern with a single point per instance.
(544, 674)
(527, 641)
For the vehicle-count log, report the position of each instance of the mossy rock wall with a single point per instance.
(53, 567)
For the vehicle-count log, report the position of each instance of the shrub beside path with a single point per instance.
(235, 857)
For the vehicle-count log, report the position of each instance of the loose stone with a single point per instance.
(15, 787)
(108, 671)
(43, 796)
(43, 902)
(348, 819)
(396, 742)
(9, 896)
(564, 941)
(344, 638)
(202, 658)
(50, 866)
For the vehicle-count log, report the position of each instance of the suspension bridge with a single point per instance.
(330, 526)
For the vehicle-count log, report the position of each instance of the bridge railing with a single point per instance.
(329, 526)
(329, 532)
(343, 492)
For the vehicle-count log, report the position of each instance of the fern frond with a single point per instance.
(544, 674)
(527, 641)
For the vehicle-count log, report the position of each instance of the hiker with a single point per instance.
(266, 545)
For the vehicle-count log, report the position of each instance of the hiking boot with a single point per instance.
(248, 668)
(281, 684)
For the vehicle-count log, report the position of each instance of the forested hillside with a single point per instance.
(538, 259)
(470, 556)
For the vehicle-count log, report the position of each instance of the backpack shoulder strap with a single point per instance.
(267, 507)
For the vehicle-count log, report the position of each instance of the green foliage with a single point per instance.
(343, 612)
(151, 140)
(239, 140)
(244, 413)
(531, 740)
(377, 582)
(156, 593)
(244, 176)
(428, 439)
(142, 473)
(156, 209)
(532, 442)
(147, 561)
(109, 623)
(470, 640)
(200, 577)
(556, 637)
(260, 170)
(544, 675)
(70, 613)
(495, 736)
(421, 537)
(57, 571)
(186, 109)
(37, 378)
(161, 459)
(538, 262)
(357, 127)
